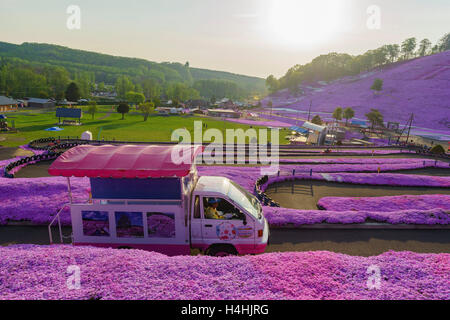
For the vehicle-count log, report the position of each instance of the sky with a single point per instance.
(252, 37)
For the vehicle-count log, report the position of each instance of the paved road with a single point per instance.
(360, 242)
(352, 242)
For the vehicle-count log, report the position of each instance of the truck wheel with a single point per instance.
(221, 251)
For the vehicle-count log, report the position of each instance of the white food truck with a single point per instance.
(139, 198)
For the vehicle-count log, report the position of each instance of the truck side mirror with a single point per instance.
(244, 219)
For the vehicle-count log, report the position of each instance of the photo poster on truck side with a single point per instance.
(95, 223)
(161, 225)
(129, 224)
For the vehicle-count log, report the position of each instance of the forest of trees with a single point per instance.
(336, 65)
(43, 70)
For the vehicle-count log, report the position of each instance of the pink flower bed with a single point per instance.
(337, 167)
(386, 204)
(387, 179)
(283, 217)
(40, 272)
(367, 161)
(38, 199)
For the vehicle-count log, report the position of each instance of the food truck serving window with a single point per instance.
(151, 188)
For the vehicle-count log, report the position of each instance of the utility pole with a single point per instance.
(309, 112)
(409, 128)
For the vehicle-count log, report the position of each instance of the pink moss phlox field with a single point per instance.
(386, 204)
(338, 167)
(370, 161)
(387, 179)
(38, 199)
(409, 85)
(40, 272)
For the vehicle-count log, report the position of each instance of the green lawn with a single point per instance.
(31, 125)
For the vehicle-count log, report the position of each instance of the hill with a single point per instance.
(107, 68)
(420, 86)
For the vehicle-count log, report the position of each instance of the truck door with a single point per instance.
(224, 223)
(196, 223)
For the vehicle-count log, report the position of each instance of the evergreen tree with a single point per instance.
(72, 92)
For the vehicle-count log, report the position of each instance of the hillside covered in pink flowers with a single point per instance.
(420, 86)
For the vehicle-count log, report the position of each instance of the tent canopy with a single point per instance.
(298, 129)
(127, 161)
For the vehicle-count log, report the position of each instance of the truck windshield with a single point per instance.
(243, 198)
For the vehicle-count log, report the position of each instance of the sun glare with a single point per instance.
(303, 22)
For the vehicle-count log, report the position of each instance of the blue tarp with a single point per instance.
(359, 123)
(54, 129)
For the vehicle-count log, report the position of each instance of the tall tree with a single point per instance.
(85, 82)
(92, 108)
(444, 43)
(151, 89)
(123, 108)
(57, 79)
(123, 85)
(317, 120)
(408, 47)
(381, 56)
(393, 50)
(73, 92)
(272, 84)
(146, 109)
(157, 102)
(101, 87)
(337, 114)
(424, 47)
(349, 113)
(135, 98)
(375, 118)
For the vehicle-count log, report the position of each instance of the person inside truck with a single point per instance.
(211, 209)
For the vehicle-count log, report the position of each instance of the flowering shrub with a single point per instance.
(386, 204)
(387, 179)
(283, 217)
(38, 199)
(40, 272)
